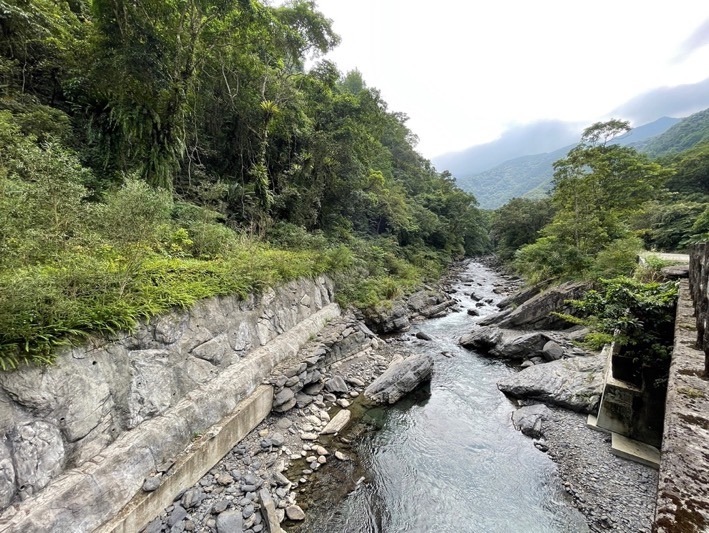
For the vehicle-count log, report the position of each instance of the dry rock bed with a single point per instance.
(315, 397)
(303, 451)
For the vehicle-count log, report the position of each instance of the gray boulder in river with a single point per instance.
(535, 313)
(400, 378)
(575, 383)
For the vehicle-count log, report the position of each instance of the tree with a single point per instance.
(517, 223)
(598, 189)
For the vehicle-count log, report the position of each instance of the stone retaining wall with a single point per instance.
(683, 488)
(699, 284)
(56, 422)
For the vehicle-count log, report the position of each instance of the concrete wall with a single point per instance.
(683, 488)
(56, 422)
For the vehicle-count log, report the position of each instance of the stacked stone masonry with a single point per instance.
(54, 421)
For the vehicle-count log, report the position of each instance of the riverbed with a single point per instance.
(449, 459)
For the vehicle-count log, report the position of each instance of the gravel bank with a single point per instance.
(613, 493)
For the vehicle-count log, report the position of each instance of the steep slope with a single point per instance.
(682, 136)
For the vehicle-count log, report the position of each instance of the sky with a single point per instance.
(466, 71)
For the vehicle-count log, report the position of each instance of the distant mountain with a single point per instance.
(531, 175)
(529, 139)
(682, 136)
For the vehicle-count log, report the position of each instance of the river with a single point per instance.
(448, 459)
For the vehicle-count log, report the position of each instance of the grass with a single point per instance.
(48, 305)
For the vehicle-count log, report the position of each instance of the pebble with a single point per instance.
(293, 512)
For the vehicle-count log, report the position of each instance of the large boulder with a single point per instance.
(575, 383)
(521, 296)
(521, 347)
(399, 379)
(536, 313)
(529, 419)
(482, 339)
(388, 319)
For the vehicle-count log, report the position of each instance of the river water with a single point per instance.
(449, 459)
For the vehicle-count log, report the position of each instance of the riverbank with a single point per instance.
(318, 479)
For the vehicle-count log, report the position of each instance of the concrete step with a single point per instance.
(592, 423)
(635, 451)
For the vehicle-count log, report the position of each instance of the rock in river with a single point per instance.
(572, 383)
(400, 378)
(536, 313)
(529, 419)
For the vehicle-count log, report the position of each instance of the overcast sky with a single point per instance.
(465, 71)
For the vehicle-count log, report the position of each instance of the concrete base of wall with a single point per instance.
(194, 463)
(626, 448)
(635, 451)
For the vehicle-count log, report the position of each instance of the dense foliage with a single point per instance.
(638, 316)
(150, 151)
(608, 201)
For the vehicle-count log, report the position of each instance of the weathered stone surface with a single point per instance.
(283, 397)
(268, 511)
(521, 347)
(152, 483)
(73, 394)
(230, 522)
(388, 319)
(213, 350)
(535, 313)
(152, 385)
(167, 329)
(122, 467)
(39, 455)
(400, 378)
(552, 351)
(336, 385)
(338, 422)
(482, 339)
(572, 383)
(293, 512)
(7, 476)
(683, 488)
(521, 296)
(529, 419)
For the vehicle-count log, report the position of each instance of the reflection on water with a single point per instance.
(449, 460)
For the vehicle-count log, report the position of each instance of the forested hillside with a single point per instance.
(607, 203)
(153, 153)
(682, 136)
(531, 176)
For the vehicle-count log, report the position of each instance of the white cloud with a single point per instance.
(464, 71)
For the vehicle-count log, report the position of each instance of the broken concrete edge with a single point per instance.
(84, 499)
(199, 457)
(683, 487)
